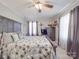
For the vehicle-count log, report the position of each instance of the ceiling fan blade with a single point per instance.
(54, 3)
(48, 5)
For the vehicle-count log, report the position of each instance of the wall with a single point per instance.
(6, 12)
(24, 28)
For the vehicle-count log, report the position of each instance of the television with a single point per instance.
(44, 31)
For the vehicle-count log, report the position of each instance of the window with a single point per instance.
(64, 25)
(32, 28)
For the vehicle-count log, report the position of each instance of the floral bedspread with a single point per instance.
(37, 47)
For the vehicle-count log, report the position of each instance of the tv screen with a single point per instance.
(44, 31)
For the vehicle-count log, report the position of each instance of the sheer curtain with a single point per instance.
(32, 28)
(64, 25)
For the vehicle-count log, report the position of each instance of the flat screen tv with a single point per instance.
(44, 31)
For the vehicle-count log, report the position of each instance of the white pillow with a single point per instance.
(7, 38)
(15, 37)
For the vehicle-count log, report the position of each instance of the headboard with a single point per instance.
(8, 25)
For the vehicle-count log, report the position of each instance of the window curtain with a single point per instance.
(33, 28)
(70, 33)
(63, 35)
(73, 39)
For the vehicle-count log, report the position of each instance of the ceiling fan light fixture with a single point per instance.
(41, 6)
(38, 7)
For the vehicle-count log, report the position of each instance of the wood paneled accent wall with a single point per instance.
(8, 25)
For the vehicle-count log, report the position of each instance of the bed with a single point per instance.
(29, 47)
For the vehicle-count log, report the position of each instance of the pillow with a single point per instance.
(7, 38)
(12, 38)
(19, 35)
(15, 37)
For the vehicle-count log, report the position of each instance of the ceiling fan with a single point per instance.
(38, 4)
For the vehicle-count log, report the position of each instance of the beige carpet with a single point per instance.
(62, 54)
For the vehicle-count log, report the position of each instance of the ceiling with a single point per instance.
(20, 7)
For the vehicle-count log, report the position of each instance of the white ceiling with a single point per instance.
(20, 7)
